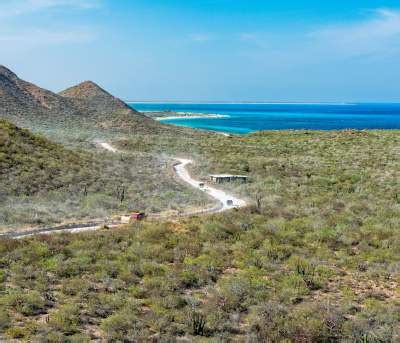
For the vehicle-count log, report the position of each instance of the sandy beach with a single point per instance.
(189, 116)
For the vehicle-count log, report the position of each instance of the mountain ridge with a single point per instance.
(86, 103)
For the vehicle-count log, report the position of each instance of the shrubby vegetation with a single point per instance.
(315, 258)
(235, 275)
(44, 183)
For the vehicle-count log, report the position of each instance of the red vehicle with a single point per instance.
(138, 216)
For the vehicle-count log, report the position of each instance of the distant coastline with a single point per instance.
(168, 115)
(129, 102)
(244, 119)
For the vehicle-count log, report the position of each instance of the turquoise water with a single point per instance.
(245, 118)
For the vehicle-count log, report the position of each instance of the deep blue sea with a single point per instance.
(245, 118)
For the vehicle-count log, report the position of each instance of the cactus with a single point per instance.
(198, 323)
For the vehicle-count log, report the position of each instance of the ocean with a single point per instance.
(246, 118)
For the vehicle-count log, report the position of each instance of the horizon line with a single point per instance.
(238, 102)
(338, 103)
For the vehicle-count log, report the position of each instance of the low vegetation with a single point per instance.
(313, 259)
(44, 183)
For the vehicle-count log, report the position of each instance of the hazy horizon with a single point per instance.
(209, 50)
(129, 101)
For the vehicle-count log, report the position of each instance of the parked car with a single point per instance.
(135, 216)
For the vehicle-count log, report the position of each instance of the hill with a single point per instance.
(315, 259)
(30, 164)
(97, 97)
(43, 183)
(20, 100)
(85, 105)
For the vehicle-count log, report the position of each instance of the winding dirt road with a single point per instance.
(217, 194)
(180, 169)
(227, 202)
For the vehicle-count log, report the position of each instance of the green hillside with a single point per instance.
(315, 258)
(30, 164)
(43, 183)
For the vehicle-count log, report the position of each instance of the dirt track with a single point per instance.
(181, 172)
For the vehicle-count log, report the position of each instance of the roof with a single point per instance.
(228, 175)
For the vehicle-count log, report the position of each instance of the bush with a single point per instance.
(72, 287)
(122, 326)
(66, 319)
(28, 304)
(103, 305)
(5, 320)
(292, 288)
(267, 322)
(17, 332)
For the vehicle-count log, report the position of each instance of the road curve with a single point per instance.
(217, 194)
(106, 146)
(181, 172)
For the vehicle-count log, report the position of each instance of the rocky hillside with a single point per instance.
(20, 99)
(87, 104)
(102, 101)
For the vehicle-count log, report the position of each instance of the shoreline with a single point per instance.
(191, 116)
(170, 115)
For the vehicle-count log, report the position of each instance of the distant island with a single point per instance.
(168, 115)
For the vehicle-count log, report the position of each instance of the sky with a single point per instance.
(208, 50)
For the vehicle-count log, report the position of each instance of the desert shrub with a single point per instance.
(74, 286)
(275, 251)
(267, 322)
(74, 266)
(66, 319)
(49, 335)
(3, 278)
(27, 303)
(241, 291)
(32, 304)
(292, 288)
(5, 320)
(189, 279)
(172, 302)
(17, 332)
(79, 338)
(103, 305)
(307, 271)
(306, 324)
(123, 326)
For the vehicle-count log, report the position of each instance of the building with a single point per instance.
(220, 178)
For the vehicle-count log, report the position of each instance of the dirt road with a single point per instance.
(217, 194)
(226, 200)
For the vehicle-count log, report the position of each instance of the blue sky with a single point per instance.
(216, 50)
